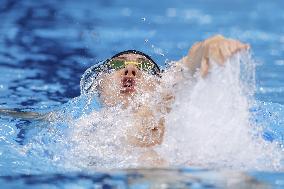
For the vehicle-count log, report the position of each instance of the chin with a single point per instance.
(128, 91)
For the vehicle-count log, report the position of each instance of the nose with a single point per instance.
(130, 71)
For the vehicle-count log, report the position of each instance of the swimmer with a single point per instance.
(128, 74)
(136, 72)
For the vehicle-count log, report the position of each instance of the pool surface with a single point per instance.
(45, 47)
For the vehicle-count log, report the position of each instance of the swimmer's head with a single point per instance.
(119, 78)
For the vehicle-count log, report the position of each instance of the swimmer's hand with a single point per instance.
(146, 131)
(217, 49)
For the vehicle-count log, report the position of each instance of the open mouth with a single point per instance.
(128, 84)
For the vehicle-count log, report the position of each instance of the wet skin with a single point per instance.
(120, 88)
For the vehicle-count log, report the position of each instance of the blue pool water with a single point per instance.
(45, 47)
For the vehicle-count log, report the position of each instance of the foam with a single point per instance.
(210, 126)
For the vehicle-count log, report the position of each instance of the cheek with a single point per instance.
(110, 86)
(110, 83)
(147, 84)
(110, 90)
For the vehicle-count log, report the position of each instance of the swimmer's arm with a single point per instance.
(216, 48)
(50, 116)
(148, 130)
(21, 114)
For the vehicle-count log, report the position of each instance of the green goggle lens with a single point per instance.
(117, 64)
(145, 65)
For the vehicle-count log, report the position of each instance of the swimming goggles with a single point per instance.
(142, 64)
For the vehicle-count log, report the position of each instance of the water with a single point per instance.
(46, 47)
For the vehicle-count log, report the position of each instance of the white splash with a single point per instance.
(209, 124)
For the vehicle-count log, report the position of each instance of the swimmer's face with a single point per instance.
(121, 85)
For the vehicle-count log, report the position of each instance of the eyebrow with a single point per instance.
(122, 57)
(144, 59)
(126, 58)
